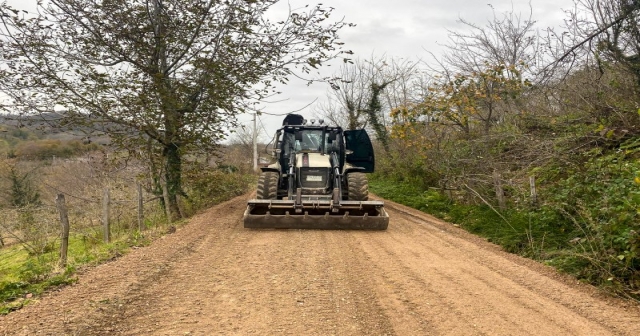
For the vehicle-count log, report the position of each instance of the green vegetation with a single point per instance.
(586, 223)
(210, 187)
(31, 144)
(47, 149)
(530, 233)
(22, 192)
(24, 275)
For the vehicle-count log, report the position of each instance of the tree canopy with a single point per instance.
(165, 74)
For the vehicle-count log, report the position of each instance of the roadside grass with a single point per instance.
(538, 235)
(24, 276)
(11, 260)
(480, 220)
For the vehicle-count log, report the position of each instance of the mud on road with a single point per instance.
(421, 277)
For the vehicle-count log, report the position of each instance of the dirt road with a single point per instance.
(421, 277)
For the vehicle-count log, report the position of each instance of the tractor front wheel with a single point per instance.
(357, 187)
(267, 186)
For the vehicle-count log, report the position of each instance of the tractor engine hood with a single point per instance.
(315, 160)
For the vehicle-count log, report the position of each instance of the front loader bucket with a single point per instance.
(316, 214)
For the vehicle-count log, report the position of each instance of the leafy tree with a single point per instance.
(481, 97)
(165, 75)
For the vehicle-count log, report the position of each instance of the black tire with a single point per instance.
(267, 185)
(357, 187)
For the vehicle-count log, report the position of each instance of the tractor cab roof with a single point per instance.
(299, 122)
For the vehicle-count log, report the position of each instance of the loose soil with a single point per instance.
(420, 277)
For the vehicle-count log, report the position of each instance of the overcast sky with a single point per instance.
(406, 29)
(395, 28)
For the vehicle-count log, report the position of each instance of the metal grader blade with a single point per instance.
(316, 214)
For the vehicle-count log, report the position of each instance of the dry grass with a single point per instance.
(83, 181)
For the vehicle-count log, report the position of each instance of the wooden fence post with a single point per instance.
(497, 181)
(106, 205)
(534, 193)
(64, 222)
(140, 209)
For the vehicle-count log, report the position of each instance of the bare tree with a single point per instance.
(508, 39)
(608, 30)
(367, 92)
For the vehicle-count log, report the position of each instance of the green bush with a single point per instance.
(208, 187)
(601, 199)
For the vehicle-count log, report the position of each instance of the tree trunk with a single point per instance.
(171, 151)
(374, 109)
(140, 208)
(173, 178)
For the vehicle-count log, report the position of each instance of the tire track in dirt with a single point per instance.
(421, 277)
(445, 282)
(407, 296)
(355, 288)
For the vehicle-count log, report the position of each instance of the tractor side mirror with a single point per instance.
(298, 135)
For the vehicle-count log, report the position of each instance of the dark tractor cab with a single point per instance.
(353, 147)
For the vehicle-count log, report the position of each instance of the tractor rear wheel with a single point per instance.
(357, 187)
(267, 185)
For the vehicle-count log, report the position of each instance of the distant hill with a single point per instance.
(44, 127)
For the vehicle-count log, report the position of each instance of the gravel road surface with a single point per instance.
(420, 277)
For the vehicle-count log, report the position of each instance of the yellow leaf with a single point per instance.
(609, 134)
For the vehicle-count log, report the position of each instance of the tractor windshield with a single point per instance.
(309, 141)
(312, 141)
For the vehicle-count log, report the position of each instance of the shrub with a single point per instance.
(22, 192)
(209, 187)
(601, 198)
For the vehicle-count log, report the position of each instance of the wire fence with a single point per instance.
(88, 198)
